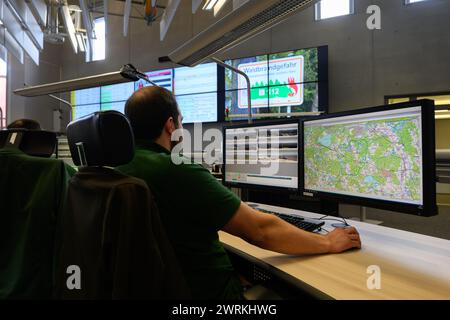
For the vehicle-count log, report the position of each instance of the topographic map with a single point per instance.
(379, 158)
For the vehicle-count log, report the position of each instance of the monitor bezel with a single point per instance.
(292, 120)
(429, 207)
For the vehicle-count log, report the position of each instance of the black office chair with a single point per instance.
(111, 231)
(36, 143)
(32, 192)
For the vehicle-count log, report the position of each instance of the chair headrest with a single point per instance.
(37, 143)
(101, 139)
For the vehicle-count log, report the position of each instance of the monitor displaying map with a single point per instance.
(377, 155)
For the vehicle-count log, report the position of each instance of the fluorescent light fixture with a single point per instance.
(75, 84)
(209, 5)
(126, 74)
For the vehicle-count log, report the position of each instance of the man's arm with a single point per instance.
(272, 233)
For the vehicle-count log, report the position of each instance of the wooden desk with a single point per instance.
(413, 266)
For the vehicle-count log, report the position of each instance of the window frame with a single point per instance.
(416, 96)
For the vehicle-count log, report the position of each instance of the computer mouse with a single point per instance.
(340, 225)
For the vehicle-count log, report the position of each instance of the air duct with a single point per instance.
(250, 19)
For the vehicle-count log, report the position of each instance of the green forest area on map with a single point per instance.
(380, 157)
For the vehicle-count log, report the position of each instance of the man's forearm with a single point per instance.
(280, 236)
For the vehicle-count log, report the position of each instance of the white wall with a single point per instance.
(38, 108)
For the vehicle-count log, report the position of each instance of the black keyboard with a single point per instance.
(300, 222)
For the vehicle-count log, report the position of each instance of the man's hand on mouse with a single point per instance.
(342, 239)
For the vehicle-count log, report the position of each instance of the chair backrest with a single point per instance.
(111, 232)
(38, 143)
(32, 193)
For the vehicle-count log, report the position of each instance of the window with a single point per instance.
(99, 44)
(441, 102)
(3, 70)
(413, 1)
(333, 8)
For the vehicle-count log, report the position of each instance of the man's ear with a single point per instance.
(169, 127)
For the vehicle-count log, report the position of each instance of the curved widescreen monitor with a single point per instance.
(380, 157)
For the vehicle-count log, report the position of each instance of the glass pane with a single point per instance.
(398, 100)
(442, 100)
(99, 44)
(334, 8)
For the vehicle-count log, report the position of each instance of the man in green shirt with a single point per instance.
(194, 206)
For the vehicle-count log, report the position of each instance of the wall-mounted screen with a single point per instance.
(115, 96)
(163, 78)
(283, 83)
(84, 102)
(196, 92)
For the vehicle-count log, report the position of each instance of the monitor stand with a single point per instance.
(363, 217)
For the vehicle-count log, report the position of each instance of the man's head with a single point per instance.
(25, 124)
(154, 115)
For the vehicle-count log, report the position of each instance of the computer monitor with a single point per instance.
(196, 90)
(262, 155)
(84, 102)
(289, 82)
(381, 157)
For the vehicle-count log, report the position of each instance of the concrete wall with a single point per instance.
(38, 108)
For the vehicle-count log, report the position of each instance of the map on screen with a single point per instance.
(376, 155)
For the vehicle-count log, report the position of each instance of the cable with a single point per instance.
(324, 218)
(323, 229)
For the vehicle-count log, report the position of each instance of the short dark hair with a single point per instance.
(25, 124)
(148, 109)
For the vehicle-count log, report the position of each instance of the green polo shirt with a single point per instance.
(32, 193)
(193, 206)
